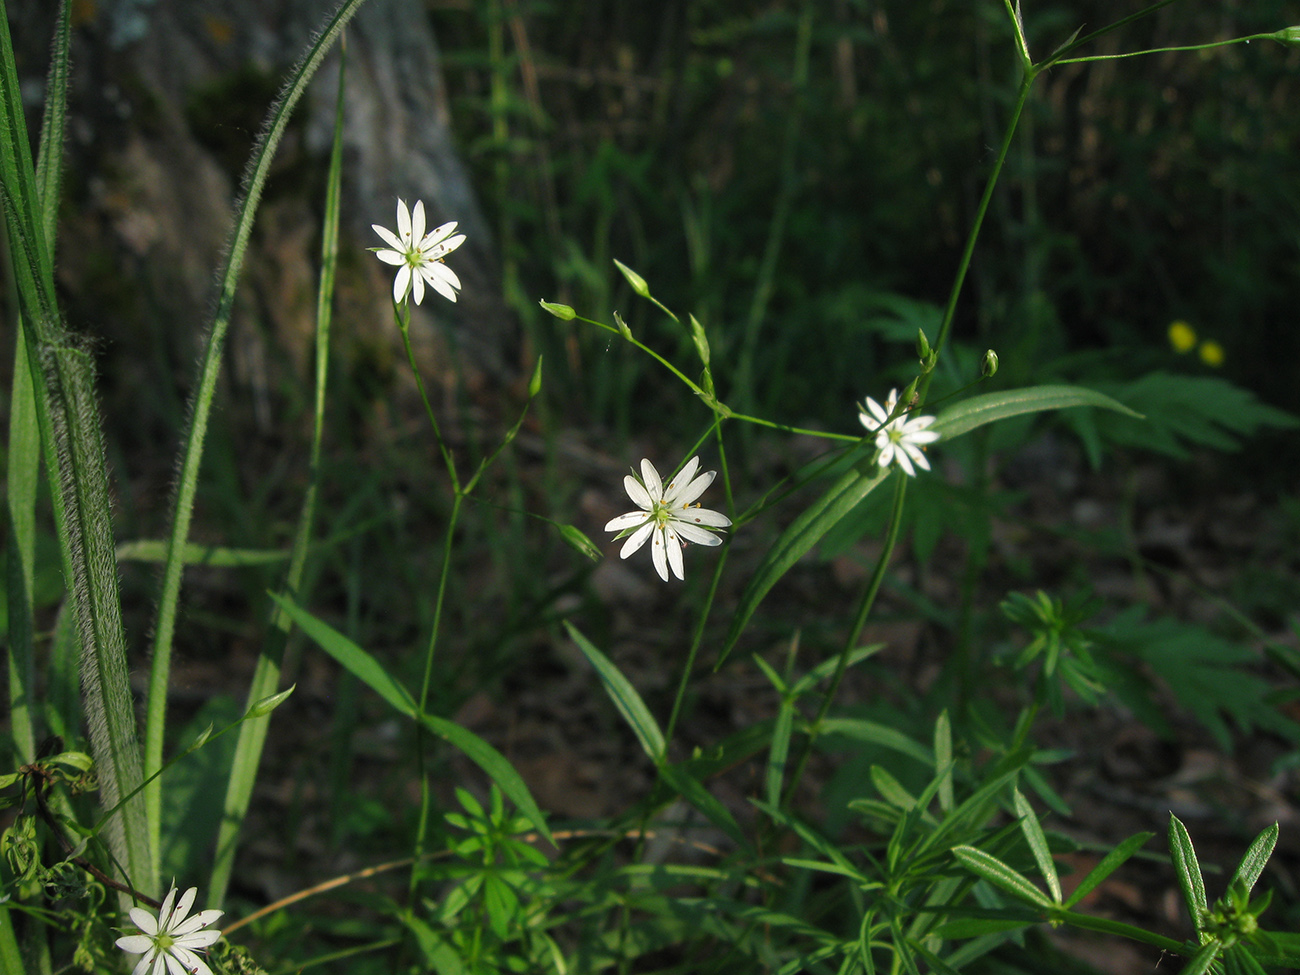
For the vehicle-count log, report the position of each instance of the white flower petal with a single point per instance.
(135, 944)
(672, 492)
(674, 546)
(693, 490)
(389, 238)
(637, 539)
(438, 251)
(403, 223)
(199, 920)
(659, 555)
(699, 536)
(637, 492)
(632, 519)
(391, 257)
(437, 234)
(650, 478)
(401, 283)
(417, 222)
(702, 516)
(442, 278)
(917, 456)
(143, 920)
(144, 963)
(417, 288)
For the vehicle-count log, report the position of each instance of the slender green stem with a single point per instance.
(426, 798)
(403, 313)
(963, 265)
(1164, 50)
(868, 600)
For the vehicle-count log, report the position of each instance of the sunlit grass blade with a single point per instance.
(975, 412)
(804, 532)
(624, 696)
(1188, 869)
(1037, 841)
(372, 673)
(694, 792)
(205, 388)
(215, 556)
(1108, 865)
(69, 424)
(1255, 859)
(24, 444)
(999, 874)
(266, 675)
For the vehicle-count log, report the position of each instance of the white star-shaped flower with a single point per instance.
(417, 255)
(901, 439)
(169, 942)
(669, 515)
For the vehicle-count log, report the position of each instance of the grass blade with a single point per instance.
(1255, 859)
(266, 676)
(999, 874)
(372, 673)
(1188, 869)
(975, 412)
(69, 424)
(804, 532)
(1109, 864)
(625, 698)
(1037, 840)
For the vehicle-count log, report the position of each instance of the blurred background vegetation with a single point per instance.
(801, 175)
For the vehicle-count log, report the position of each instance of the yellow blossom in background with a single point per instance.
(1211, 353)
(1182, 337)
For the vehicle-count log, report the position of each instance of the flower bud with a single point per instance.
(535, 383)
(1289, 35)
(563, 312)
(989, 364)
(922, 345)
(623, 330)
(635, 280)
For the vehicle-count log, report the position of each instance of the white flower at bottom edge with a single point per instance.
(417, 255)
(668, 515)
(901, 438)
(169, 942)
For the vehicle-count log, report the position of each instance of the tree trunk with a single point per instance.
(167, 98)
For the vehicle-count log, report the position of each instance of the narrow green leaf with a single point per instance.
(780, 752)
(943, 759)
(975, 412)
(624, 696)
(371, 673)
(155, 550)
(1203, 959)
(875, 733)
(1252, 864)
(694, 792)
(804, 532)
(1037, 840)
(999, 874)
(1188, 869)
(355, 660)
(1108, 865)
(827, 668)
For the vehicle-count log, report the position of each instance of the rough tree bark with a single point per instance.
(167, 98)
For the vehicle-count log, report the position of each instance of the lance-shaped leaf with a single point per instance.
(624, 696)
(976, 411)
(372, 673)
(804, 532)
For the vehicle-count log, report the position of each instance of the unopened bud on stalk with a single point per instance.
(989, 364)
(922, 345)
(563, 312)
(1290, 35)
(635, 280)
